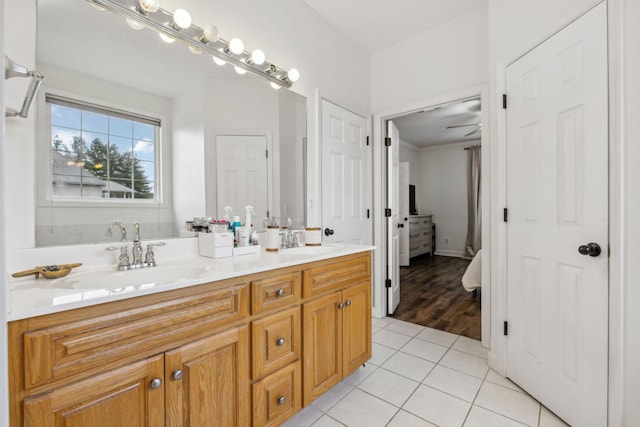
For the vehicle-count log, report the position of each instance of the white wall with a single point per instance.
(409, 154)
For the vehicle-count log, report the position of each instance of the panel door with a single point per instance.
(207, 382)
(393, 224)
(124, 397)
(322, 345)
(403, 219)
(356, 333)
(557, 145)
(345, 176)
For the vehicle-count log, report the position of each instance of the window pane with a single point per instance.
(95, 122)
(120, 127)
(144, 150)
(144, 131)
(65, 116)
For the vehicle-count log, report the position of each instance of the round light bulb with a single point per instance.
(219, 61)
(236, 46)
(165, 38)
(258, 57)
(149, 5)
(134, 24)
(239, 70)
(182, 18)
(276, 86)
(211, 33)
(194, 50)
(293, 75)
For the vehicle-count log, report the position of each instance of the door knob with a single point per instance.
(591, 249)
(177, 374)
(400, 225)
(156, 383)
(328, 232)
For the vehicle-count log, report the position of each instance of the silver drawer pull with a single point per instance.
(282, 400)
(280, 292)
(280, 341)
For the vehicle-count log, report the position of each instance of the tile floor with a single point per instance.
(424, 377)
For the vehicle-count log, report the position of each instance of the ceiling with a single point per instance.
(375, 25)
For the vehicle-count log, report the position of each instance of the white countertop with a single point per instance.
(30, 297)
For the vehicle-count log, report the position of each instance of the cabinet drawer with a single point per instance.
(334, 275)
(276, 292)
(277, 397)
(65, 350)
(276, 341)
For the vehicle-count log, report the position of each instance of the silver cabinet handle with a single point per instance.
(280, 292)
(280, 341)
(348, 303)
(340, 305)
(282, 400)
(156, 383)
(178, 374)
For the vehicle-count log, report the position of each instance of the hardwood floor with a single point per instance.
(431, 294)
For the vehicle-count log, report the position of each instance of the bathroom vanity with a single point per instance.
(249, 342)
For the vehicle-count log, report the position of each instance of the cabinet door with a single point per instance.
(277, 397)
(322, 325)
(132, 396)
(207, 382)
(356, 326)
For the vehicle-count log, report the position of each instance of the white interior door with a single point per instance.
(393, 203)
(242, 174)
(344, 176)
(557, 196)
(403, 219)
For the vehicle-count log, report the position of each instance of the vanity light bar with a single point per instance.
(192, 36)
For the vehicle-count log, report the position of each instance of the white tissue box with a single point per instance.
(215, 245)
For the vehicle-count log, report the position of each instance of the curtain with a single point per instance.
(474, 235)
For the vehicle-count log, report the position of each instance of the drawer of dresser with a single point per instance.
(277, 397)
(59, 351)
(333, 275)
(276, 292)
(276, 341)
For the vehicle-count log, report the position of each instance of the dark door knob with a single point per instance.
(591, 249)
(328, 232)
(400, 225)
(406, 219)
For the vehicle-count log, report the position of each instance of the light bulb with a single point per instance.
(219, 61)
(293, 75)
(276, 86)
(236, 46)
(165, 38)
(182, 18)
(211, 33)
(239, 70)
(194, 50)
(258, 57)
(149, 5)
(134, 24)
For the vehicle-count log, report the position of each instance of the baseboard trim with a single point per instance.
(457, 254)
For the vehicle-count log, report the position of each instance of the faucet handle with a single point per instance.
(150, 257)
(123, 259)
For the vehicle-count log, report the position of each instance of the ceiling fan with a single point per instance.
(474, 131)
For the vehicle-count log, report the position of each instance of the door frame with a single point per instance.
(379, 181)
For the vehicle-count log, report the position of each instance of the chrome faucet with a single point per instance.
(136, 251)
(290, 235)
(123, 230)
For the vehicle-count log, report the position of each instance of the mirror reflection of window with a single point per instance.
(98, 152)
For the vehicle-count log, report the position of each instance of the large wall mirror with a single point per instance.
(131, 128)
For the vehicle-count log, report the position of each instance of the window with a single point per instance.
(101, 153)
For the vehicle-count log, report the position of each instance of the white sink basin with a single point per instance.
(309, 250)
(153, 276)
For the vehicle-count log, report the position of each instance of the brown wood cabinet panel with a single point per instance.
(356, 326)
(277, 397)
(276, 341)
(277, 291)
(333, 275)
(207, 382)
(122, 397)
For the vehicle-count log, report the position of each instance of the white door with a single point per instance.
(242, 175)
(403, 220)
(557, 198)
(393, 203)
(344, 176)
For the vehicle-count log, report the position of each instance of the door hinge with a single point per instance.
(367, 213)
(387, 142)
(506, 328)
(504, 101)
(387, 283)
(505, 214)
(367, 140)
(387, 212)
(267, 153)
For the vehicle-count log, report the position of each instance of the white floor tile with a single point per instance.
(381, 323)
(374, 330)
(424, 349)
(453, 382)
(332, 396)
(327, 421)
(405, 419)
(405, 328)
(360, 374)
(467, 345)
(513, 404)
(549, 419)
(362, 409)
(439, 337)
(389, 386)
(409, 366)
(496, 378)
(380, 354)
(390, 339)
(467, 363)
(437, 407)
(480, 417)
(304, 418)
